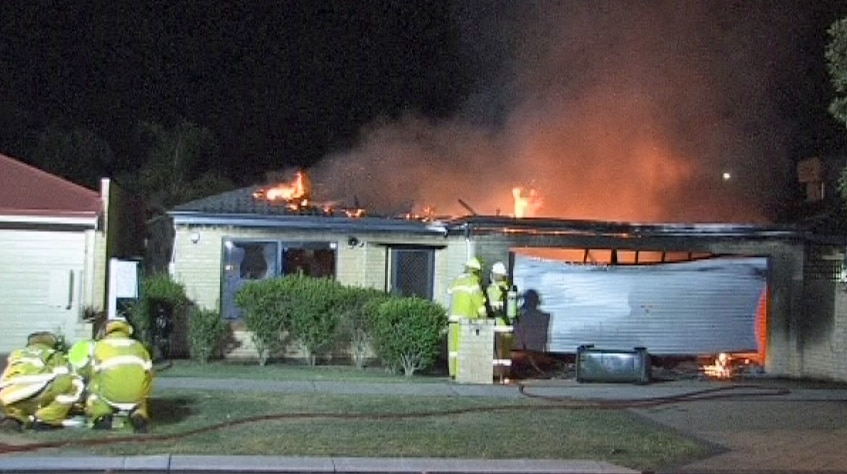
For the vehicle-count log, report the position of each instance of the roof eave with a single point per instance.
(307, 222)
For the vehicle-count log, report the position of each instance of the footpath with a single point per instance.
(762, 426)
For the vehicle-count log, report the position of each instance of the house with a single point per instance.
(56, 238)
(790, 275)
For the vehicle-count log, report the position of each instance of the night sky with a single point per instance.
(613, 110)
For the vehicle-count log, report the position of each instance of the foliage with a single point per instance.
(206, 329)
(836, 57)
(358, 305)
(78, 155)
(314, 315)
(407, 332)
(156, 290)
(181, 163)
(266, 307)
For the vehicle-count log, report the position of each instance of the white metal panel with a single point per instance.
(698, 307)
(38, 268)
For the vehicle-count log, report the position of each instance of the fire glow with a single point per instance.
(295, 194)
(527, 201)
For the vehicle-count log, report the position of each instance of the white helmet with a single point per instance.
(499, 269)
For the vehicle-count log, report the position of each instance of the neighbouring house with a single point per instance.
(688, 289)
(56, 238)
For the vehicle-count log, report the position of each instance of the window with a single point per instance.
(412, 272)
(245, 260)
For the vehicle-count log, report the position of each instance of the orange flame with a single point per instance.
(297, 193)
(525, 204)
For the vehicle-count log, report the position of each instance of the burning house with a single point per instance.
(763, 294)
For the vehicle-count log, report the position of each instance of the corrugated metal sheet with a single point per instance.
(698, 307)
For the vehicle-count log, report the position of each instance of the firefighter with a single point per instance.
(498, 293)
(37, 390)
(121, 378)
(80, 356)
(467, 301)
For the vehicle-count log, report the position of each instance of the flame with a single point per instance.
(721, 368)
(525, 204)
(296, 193)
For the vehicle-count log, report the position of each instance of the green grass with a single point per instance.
(287, 371)
(317, 424)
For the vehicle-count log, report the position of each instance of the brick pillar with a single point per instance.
(475, 352)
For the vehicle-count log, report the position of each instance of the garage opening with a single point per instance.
(695, 312)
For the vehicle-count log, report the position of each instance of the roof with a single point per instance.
(240, 208)
(29, 191)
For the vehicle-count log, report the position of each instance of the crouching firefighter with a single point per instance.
(502, 299)
(467, 301)
(37, 390)
(121, 379)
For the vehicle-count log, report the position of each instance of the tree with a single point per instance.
(79, 155)
(836, 57)
(181, 164)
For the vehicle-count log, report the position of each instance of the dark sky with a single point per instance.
(624, 110)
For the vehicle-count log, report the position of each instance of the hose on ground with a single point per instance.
(553, 403)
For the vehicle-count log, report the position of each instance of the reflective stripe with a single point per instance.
(467, 289)
(27, 379)
(123, 360)
(79, 386)
(61, 370)
(502, 361)
(123, 342)
(503, 328)
(128, 407)
(17, 393)
(34, 361)
(122, 406)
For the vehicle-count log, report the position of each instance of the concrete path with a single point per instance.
(774, 427)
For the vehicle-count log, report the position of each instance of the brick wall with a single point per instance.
(476, 352)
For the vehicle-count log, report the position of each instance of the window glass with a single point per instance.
(244, 261)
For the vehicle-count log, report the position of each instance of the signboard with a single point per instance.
(123, 285)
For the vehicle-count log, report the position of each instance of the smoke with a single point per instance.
(627, 111)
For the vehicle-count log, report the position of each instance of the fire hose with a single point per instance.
(555, 403)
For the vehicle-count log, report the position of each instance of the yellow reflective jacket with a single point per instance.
(29, 370)
(466, 298)
(121, 370)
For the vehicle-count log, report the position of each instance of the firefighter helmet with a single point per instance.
(118, 325)
(45, 338)
(473, 264)
(499, 269)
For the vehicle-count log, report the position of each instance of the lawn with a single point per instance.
(316, 424)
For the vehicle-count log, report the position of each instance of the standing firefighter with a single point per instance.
(501, 299)
(37, 390)
(467, 301)
(121, 378)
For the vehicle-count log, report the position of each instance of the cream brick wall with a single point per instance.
(198, 265)
(476, 352)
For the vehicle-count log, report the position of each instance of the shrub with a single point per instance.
(266, 307)
(206, 329)
(407, 332)
(156, 290)
(314, 314)
(357, 307)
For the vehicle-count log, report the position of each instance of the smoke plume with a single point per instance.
(623, 111)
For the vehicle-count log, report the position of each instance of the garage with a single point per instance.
(54, 245)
